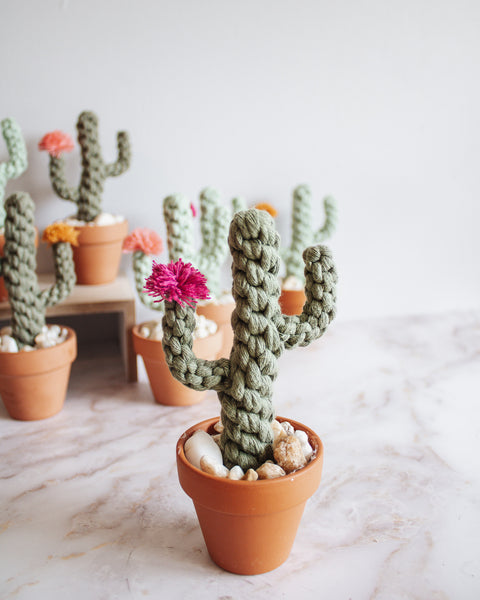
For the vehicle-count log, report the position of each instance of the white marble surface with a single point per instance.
(90, 506)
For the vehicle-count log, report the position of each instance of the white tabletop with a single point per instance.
(90, 505)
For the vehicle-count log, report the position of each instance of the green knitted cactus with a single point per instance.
(261, 333)
(27, 301)
(88, 195)
(214, 220)
(302, 230)
(17, 152)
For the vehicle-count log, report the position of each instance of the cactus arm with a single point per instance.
(319, 309)
(59, 181)
(196, 373)
(238, 203)
(301, 231)
(178, 218)
(123, 156)
(210, 264)
(330, 223)
(17, 152)
(142, 267)
(65, 277)
(209, 200)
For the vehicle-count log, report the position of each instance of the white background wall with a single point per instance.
(376, 102)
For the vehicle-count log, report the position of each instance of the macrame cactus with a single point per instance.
(88, 195)
(143, 243)
(214, 220)
(18, 265)
(18, 158)
(261, 333)
(302, 230)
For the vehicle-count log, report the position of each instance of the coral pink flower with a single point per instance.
(143, 239)
(177, 282)
(56, 142)
(193, 209)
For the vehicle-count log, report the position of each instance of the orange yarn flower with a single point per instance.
(60, 232)
(268, 207)
(143, 239)
(56, 142)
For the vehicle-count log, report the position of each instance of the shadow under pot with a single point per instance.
(221, 314)
(99, 251)
(165, 388)
(33, 385)
(249, 526)
(292, 301)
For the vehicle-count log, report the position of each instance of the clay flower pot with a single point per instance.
(249, 526)
(221, 314)
(292, 301)
(97, 256)
(165, 388)
(33, 385)
(3, 289)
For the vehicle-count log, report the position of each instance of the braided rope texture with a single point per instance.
(214, 222)
(303, 234)
(142, 267)
(17, 162)
(261, 333)
(88, 195)
(27, 302)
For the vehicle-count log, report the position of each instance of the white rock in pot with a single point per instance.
(201, 444)
(8, 344)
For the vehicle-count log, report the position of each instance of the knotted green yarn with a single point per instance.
(88, 195)
(303, 234)
(142, 267)
(17, 152)
(214, 220)
(18, 266)
(261, 333)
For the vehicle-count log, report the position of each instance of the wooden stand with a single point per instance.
(115, 297)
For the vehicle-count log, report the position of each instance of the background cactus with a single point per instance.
(261, 334)
(303, 234)
(214, 220)
(17, 152)
(88, 195)
(18, 265)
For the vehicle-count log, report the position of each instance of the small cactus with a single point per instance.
(88, 195)
(214, 220)
(261, 333)
(17, 152)
(18, 265)
(303, 234)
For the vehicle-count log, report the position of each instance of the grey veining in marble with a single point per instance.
(90, 505)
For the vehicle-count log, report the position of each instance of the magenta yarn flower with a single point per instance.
(193, 209)
(177, 282)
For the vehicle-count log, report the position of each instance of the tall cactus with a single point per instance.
(17, 152)
(214, 220)
(261, 333)
(88, 195)
(18, 267)
(303, 234)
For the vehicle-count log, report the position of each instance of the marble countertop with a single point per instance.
(90, 505)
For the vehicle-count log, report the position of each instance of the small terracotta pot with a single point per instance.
(249, 526)
(3, 289)
(165, 388)
(292, 301)
(99, 251)
(221, 314)
(33, 385)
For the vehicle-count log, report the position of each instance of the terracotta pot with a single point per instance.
(249, 526)
(33, 385)
(221, 314)
(292, 301)
(165, 388)
(99, 251)
(3, 289)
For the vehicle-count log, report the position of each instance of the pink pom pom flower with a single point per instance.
(56, 142)
(177, 282)
(143, 239)
(193, 209)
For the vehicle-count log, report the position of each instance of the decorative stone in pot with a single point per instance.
(244, 382)
(97, 257)
(33, 383)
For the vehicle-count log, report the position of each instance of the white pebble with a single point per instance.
(278, 432)
(157, 332)
(213, 468)
(288, 428)
(218, 426)
(8, 344)
(202, 444)
(270, 470)
(303, 439)
(292, 283)
(236, 472)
